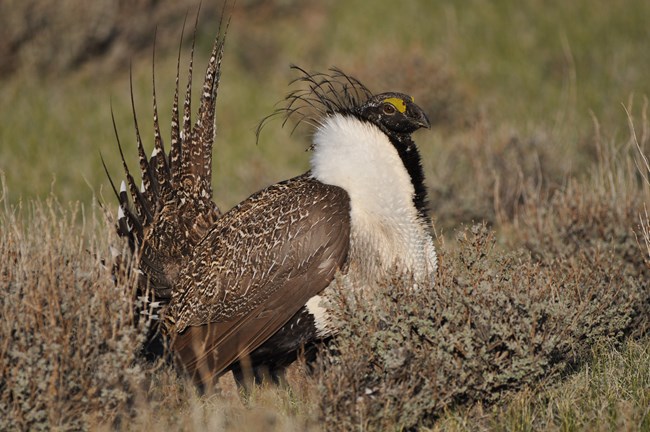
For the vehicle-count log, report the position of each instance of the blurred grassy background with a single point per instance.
(534, 72)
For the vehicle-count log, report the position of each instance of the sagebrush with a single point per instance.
(69, 339)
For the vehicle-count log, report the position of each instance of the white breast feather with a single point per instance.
(358, 157)
(320, 315)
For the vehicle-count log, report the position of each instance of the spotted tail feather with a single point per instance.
(172, 210)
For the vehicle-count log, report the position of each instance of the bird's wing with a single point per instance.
(260, 264)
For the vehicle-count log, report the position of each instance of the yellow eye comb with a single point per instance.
(397, 103)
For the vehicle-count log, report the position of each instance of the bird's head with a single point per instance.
(394, 113)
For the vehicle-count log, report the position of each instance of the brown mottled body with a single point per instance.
(255, 269)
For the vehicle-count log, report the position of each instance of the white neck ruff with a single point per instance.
(358, 157)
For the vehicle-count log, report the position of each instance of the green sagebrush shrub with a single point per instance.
(68, 340)
(597, 230)
(493, 322)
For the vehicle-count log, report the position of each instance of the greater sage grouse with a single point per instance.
(246, 287)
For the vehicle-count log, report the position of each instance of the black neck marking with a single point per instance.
(410, 155)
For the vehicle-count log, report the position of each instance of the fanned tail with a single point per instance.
(171, 211)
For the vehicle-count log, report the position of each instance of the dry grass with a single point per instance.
(69, 342)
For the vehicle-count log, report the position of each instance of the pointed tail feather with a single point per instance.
(170, 213)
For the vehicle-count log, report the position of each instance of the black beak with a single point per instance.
(418, 117)
(424, 122)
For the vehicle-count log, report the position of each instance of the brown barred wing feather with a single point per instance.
(258, 267)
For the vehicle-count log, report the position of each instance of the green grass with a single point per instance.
(611, 393)
(530, 135)
(528, 68)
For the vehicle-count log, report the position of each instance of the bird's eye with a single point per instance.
(389, 109)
